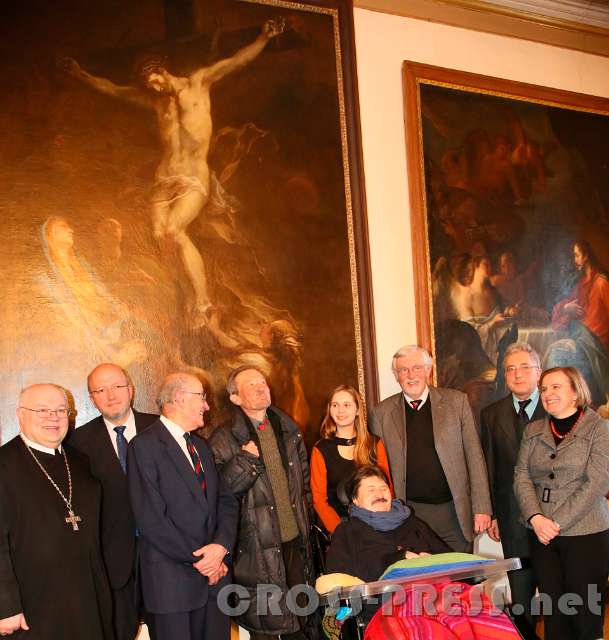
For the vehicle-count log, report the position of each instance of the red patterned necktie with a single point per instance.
(415, 404)
(264, 424)
(196, 461)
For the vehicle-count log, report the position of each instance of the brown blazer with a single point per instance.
(576, 473)
(457, 444)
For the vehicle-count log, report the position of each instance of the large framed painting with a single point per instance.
(182, 191)
(509, 194)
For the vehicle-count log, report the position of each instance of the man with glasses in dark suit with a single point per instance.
(186, 516)
(104, 440)
(502, 425)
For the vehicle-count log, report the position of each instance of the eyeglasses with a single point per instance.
(102, 391)
(416, 369)
(523, 368)
(48, 413)
(197, 393)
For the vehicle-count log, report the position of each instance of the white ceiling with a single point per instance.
(594, 13)
(582, 25)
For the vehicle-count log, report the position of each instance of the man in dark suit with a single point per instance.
(104, 440)
(502, 425)
(186, 517)
(434, 451)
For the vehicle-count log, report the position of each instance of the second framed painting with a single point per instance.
(509, 192)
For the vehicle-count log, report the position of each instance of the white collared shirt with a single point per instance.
(178, 434)
(128, 433)
(39, 447)
(423, 398)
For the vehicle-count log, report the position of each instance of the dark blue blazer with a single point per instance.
(174, 518)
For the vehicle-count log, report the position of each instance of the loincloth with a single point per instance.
(171, 188)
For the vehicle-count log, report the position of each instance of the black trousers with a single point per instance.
(294, 570)
(125, 614)
(205, 623)
(572, 565)
(523, 584)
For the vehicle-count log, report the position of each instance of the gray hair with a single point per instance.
(523, 347)
(407, 350)
(173, 383)
(231, 384)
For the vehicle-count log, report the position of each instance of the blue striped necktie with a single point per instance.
(121, 446)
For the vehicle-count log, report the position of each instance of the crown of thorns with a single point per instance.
(152, 64)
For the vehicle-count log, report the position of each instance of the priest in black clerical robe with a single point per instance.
(51, 569)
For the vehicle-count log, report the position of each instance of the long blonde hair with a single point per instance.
(365, 444)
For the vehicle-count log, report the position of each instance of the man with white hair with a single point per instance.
(186, 517)
(53, 582)
(435, 456)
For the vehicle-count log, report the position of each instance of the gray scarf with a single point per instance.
(383, 520)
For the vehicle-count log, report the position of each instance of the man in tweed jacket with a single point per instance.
(434, 451)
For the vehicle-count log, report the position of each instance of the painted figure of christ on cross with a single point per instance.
(183, 178)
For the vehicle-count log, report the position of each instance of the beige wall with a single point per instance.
(383, 42)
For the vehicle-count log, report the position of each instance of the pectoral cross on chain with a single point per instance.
(73, 520)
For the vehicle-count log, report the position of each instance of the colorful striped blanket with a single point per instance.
(431, 563)
(446, 611)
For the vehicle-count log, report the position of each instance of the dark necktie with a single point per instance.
(121, 446)
(196, 461)
(415, 404)
(522, 414)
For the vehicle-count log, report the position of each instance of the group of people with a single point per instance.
(534, 475)
(133, 516)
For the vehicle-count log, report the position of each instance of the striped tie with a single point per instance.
(196, 462)
(522, 412)
(121, 446)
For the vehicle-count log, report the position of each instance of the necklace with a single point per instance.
(562, 436)
(345, 442)
(72, 518)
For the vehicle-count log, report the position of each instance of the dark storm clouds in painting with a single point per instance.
(173, 198)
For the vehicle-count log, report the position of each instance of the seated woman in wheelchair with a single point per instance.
(379, 532)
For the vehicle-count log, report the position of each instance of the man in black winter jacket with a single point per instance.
(261, 455)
